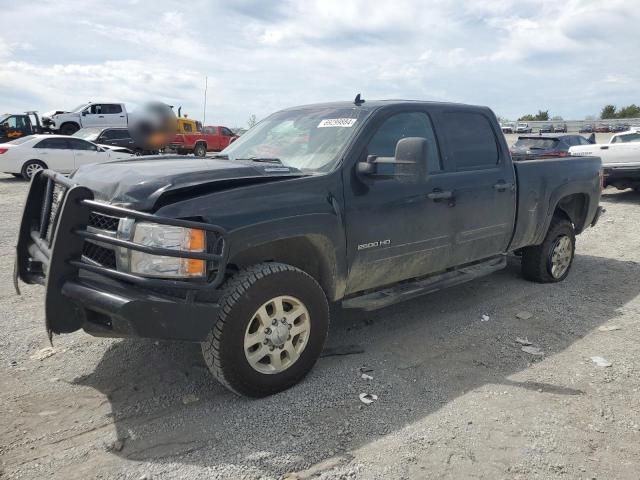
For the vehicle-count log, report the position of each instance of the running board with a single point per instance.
(417, 288)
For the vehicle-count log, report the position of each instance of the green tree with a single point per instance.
(609, 111)
(540, 116)
(632, 111)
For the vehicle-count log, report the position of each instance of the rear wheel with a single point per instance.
(30, 168)
(200, 150)
(270, 331)
(69, 128)
(551, 260)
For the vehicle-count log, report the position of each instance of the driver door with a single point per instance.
(394, 230)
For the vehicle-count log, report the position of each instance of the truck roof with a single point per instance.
(375, 104)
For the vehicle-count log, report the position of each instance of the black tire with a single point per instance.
(243, 295)
(537, 260)
(200, 150)
(30, 167)
(69, 128)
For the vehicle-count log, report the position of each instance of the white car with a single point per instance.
(25, 156)
(620, 159)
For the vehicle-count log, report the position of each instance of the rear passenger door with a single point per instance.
(481, 179)
(114, 116)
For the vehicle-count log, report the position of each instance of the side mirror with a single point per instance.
(409, 159)
(84, 113)
(592, 138)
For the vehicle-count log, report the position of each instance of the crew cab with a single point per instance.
(87, 115)
(199, 142)
(355, 204)
(620, 159)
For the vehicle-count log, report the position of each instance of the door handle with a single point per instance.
(100, 116)
(438, 194)
(503, 187)
(604, 148)
(121, 116)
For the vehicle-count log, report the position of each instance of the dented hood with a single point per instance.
(138, 183)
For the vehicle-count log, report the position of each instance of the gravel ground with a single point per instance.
(457, 398)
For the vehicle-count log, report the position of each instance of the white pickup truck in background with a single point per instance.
(620, 159)
(90, 114)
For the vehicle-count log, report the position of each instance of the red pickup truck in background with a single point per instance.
(191, 139)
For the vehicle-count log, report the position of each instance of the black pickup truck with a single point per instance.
(358, 204)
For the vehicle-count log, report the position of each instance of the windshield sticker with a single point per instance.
(337, 122)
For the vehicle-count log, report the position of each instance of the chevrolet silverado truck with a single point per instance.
(358, 205)
(87, 115)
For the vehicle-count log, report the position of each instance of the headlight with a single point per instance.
(175, 238)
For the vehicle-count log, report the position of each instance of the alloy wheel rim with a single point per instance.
(32, 169)
(277, 334)
(561, 256)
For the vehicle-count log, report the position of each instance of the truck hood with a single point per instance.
(140, 183)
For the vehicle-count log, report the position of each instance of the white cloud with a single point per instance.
(515, 56)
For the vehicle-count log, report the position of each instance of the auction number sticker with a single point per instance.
(337, 122)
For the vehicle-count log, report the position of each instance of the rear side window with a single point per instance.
(226, 132)
(111, 108)
(57, 143)
(471, 141)
(403, 125)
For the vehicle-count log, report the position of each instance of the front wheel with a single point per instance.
(270, 331)
(551, 260)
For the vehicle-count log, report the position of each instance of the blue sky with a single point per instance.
(571, 57)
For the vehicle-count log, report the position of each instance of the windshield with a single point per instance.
(308, 139)
(536, 143)
(79, 107)
(88, 133)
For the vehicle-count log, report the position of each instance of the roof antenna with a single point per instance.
(358, 101)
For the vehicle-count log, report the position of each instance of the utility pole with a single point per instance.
(204, 112)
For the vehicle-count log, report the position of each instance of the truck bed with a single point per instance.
(542, 182)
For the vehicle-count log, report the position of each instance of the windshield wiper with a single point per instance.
(261, 159)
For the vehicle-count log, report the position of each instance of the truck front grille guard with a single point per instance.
(65, 209)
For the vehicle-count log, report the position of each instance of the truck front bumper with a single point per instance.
(114, 311)
(81, 292)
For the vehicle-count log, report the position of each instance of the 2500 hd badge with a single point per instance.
(379, 243)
